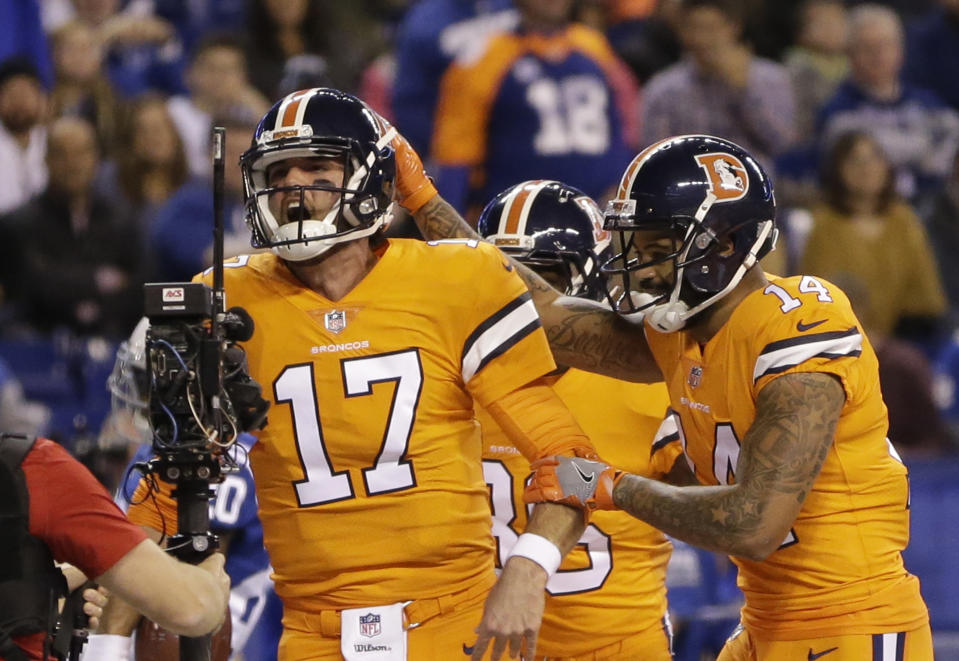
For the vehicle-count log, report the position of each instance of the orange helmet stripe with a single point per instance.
(519, 207)
(633, 169)
(290, 114)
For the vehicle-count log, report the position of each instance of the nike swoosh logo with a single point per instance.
(468, 651)
(802, 328)
(507, 266)
(813, 657)
(588, 479)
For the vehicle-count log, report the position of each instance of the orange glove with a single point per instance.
(414, 188)
(574, 481)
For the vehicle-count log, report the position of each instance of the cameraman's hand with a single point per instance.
(94, 600)
(214, 564)
(413, 186)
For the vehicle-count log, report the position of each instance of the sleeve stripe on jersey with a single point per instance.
(785, 354)
(663, 441)
(667, 432)
(498, 333)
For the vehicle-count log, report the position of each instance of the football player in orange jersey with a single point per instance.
(608, 600)
(369, 477)
(775, 391)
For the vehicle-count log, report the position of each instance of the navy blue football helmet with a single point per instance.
(705, 194)
(325, 123)
(555, 229)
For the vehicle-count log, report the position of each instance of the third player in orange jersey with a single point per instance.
(608, 600)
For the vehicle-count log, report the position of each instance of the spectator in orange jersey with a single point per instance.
(546, 100)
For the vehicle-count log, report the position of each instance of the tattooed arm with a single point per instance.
(781, 456)
(583, 334)
(437, 220)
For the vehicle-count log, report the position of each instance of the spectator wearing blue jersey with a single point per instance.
(254, 606)
(918, 132)
(432, 34)
(192, 20)
(932, 52)
(546, 100)
(21, 33)
(143, 51)
(181, 235)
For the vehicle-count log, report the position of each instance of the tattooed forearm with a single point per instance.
(581, 333)
(437, 220)
(590, 337)
(787, 444)
(781, 456)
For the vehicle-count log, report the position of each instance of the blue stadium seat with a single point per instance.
(67, 374)
(42, 367)
(704, 601)
(933, 551)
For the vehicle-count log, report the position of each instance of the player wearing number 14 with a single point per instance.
(776, 395)
(369, 476)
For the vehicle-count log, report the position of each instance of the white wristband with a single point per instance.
(538, 549)
(108, 646)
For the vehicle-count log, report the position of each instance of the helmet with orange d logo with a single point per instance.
(698, 203)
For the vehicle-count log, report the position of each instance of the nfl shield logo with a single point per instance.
(370, 625)
(335, 321)
(695, 376)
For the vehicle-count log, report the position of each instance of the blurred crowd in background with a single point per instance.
(106, 108)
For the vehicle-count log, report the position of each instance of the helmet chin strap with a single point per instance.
(314, 247)
(313, 231)
(672, 316)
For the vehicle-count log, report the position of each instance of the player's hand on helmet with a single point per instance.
(414, 188)
(574, 481)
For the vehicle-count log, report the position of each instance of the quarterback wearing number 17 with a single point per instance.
(372, 351)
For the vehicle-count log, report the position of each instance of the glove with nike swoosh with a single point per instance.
(414, 188)
(574, 481)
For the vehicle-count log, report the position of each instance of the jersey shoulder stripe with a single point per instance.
(663, 441)
(785, 354)
(498, 333)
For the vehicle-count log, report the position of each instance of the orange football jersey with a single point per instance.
(612, 584)
(840, 569)
(368, 475)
